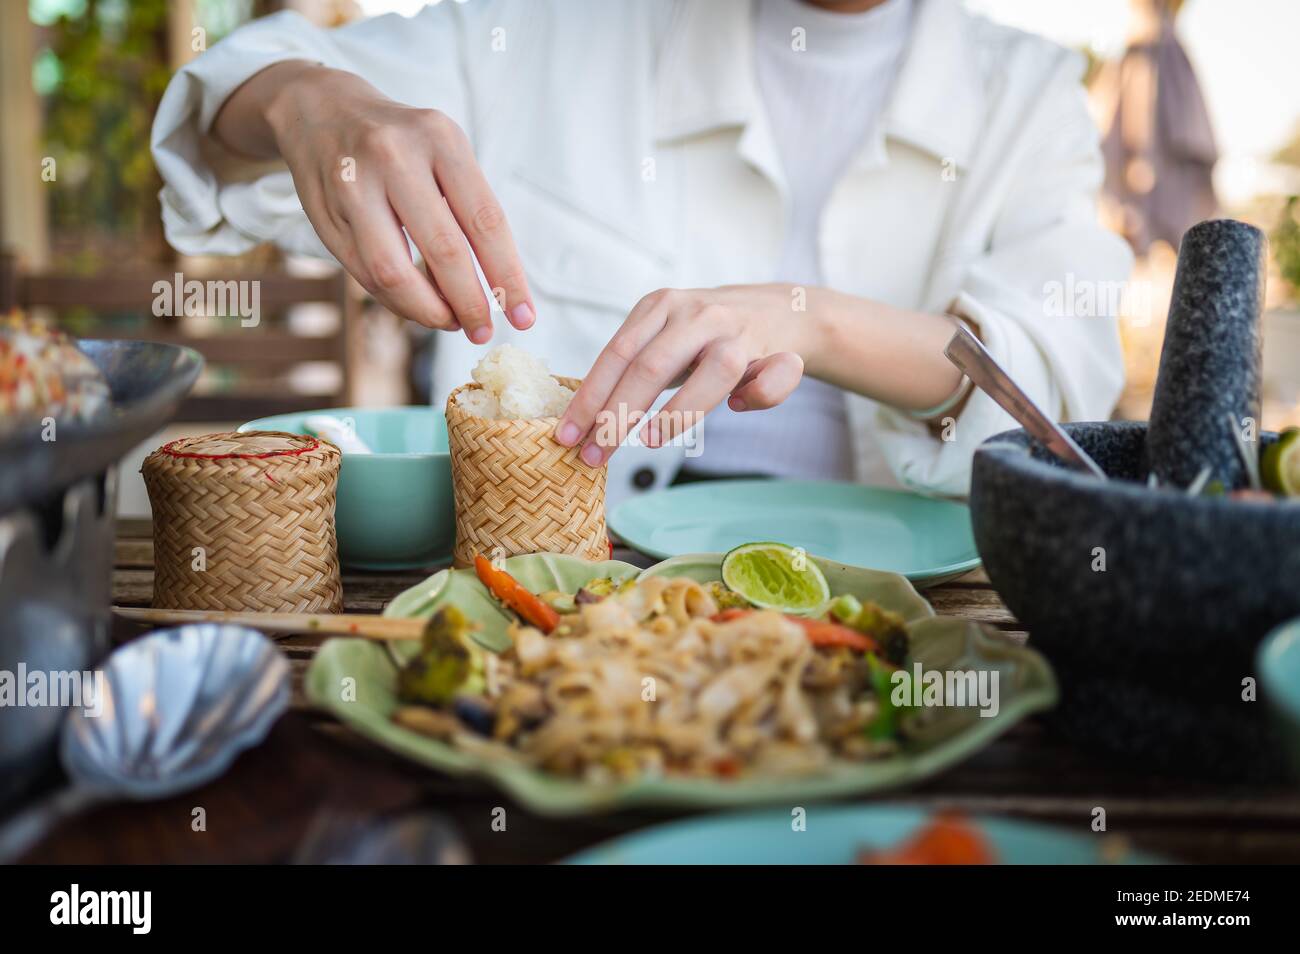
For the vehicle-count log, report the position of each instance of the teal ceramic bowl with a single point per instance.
(394, 509)
(1278, 665)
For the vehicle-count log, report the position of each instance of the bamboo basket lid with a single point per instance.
(245, 521)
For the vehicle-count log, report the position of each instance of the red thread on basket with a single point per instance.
(167, 449)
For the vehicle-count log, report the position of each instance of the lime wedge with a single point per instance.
(1280, 464)
(775, 576)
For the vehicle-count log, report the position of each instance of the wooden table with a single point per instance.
(312, 767)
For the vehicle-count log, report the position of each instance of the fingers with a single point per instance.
(768, 382)
(382, 263)
(437, 235)
(419, 174)
(653, 371)
(455, 325)
(480, 216)
(721, 367)
(644, 322)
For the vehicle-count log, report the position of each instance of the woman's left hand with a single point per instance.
(745, 344)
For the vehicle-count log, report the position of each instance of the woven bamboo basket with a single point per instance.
(245, 522)
(518, 491)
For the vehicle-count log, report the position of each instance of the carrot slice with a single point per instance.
(506, 588)
(820, 632)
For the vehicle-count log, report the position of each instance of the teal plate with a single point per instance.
(354, 679)
(835, 833)
(924, 539)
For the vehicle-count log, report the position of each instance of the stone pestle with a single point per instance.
(1210, 362)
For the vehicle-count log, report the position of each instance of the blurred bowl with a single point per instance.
(1278, 665)
(1149, 603)
(394, 508)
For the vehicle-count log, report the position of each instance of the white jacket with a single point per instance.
(627, 144)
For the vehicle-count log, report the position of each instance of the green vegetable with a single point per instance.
(889, 717)
(845, 608)
(608, 586)
(560, 602)
(885, 627)
(725, 597)
(1280, 464)
(449, 662)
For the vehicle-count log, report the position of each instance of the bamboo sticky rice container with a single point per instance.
(519, 491)
(245, 521)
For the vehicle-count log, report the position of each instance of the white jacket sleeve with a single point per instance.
(216, 203)
(1043, 294)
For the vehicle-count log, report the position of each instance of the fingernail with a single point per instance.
(736, 404)
(481, 335)
(521, 316)
(591, 455)
(567, 434)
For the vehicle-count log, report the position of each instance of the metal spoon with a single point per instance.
(172, 711)
(968, 354)
(411, 838)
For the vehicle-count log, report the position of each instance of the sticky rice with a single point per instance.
(513, 385)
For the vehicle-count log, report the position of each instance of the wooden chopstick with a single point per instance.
(335, 624)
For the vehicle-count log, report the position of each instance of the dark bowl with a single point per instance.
(1149, 603)
(146, 381)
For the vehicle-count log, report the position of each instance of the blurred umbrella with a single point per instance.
(1159, 149)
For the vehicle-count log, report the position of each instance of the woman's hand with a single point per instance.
(366, 167)
(744, 344)
(749, 345)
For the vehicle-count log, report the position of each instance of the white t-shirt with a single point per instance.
(824, 79)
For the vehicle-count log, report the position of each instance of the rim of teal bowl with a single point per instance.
(1281, 640)
(258, 424)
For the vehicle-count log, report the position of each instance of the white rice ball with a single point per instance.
(514, 385)
(479, 403)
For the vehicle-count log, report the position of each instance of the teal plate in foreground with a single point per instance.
(924, 539)
(355, 680)
(833, 836)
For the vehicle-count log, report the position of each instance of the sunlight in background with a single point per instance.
(1244, 55)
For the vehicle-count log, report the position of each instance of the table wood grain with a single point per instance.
(311, 765)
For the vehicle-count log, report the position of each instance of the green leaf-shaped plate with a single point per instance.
(539, 572)
(355, 680)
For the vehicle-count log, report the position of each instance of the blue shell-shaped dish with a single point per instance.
(179, 705)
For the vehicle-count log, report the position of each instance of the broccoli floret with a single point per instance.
(449, 662)
(884, 626)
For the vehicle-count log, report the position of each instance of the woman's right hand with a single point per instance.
(365, 167)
